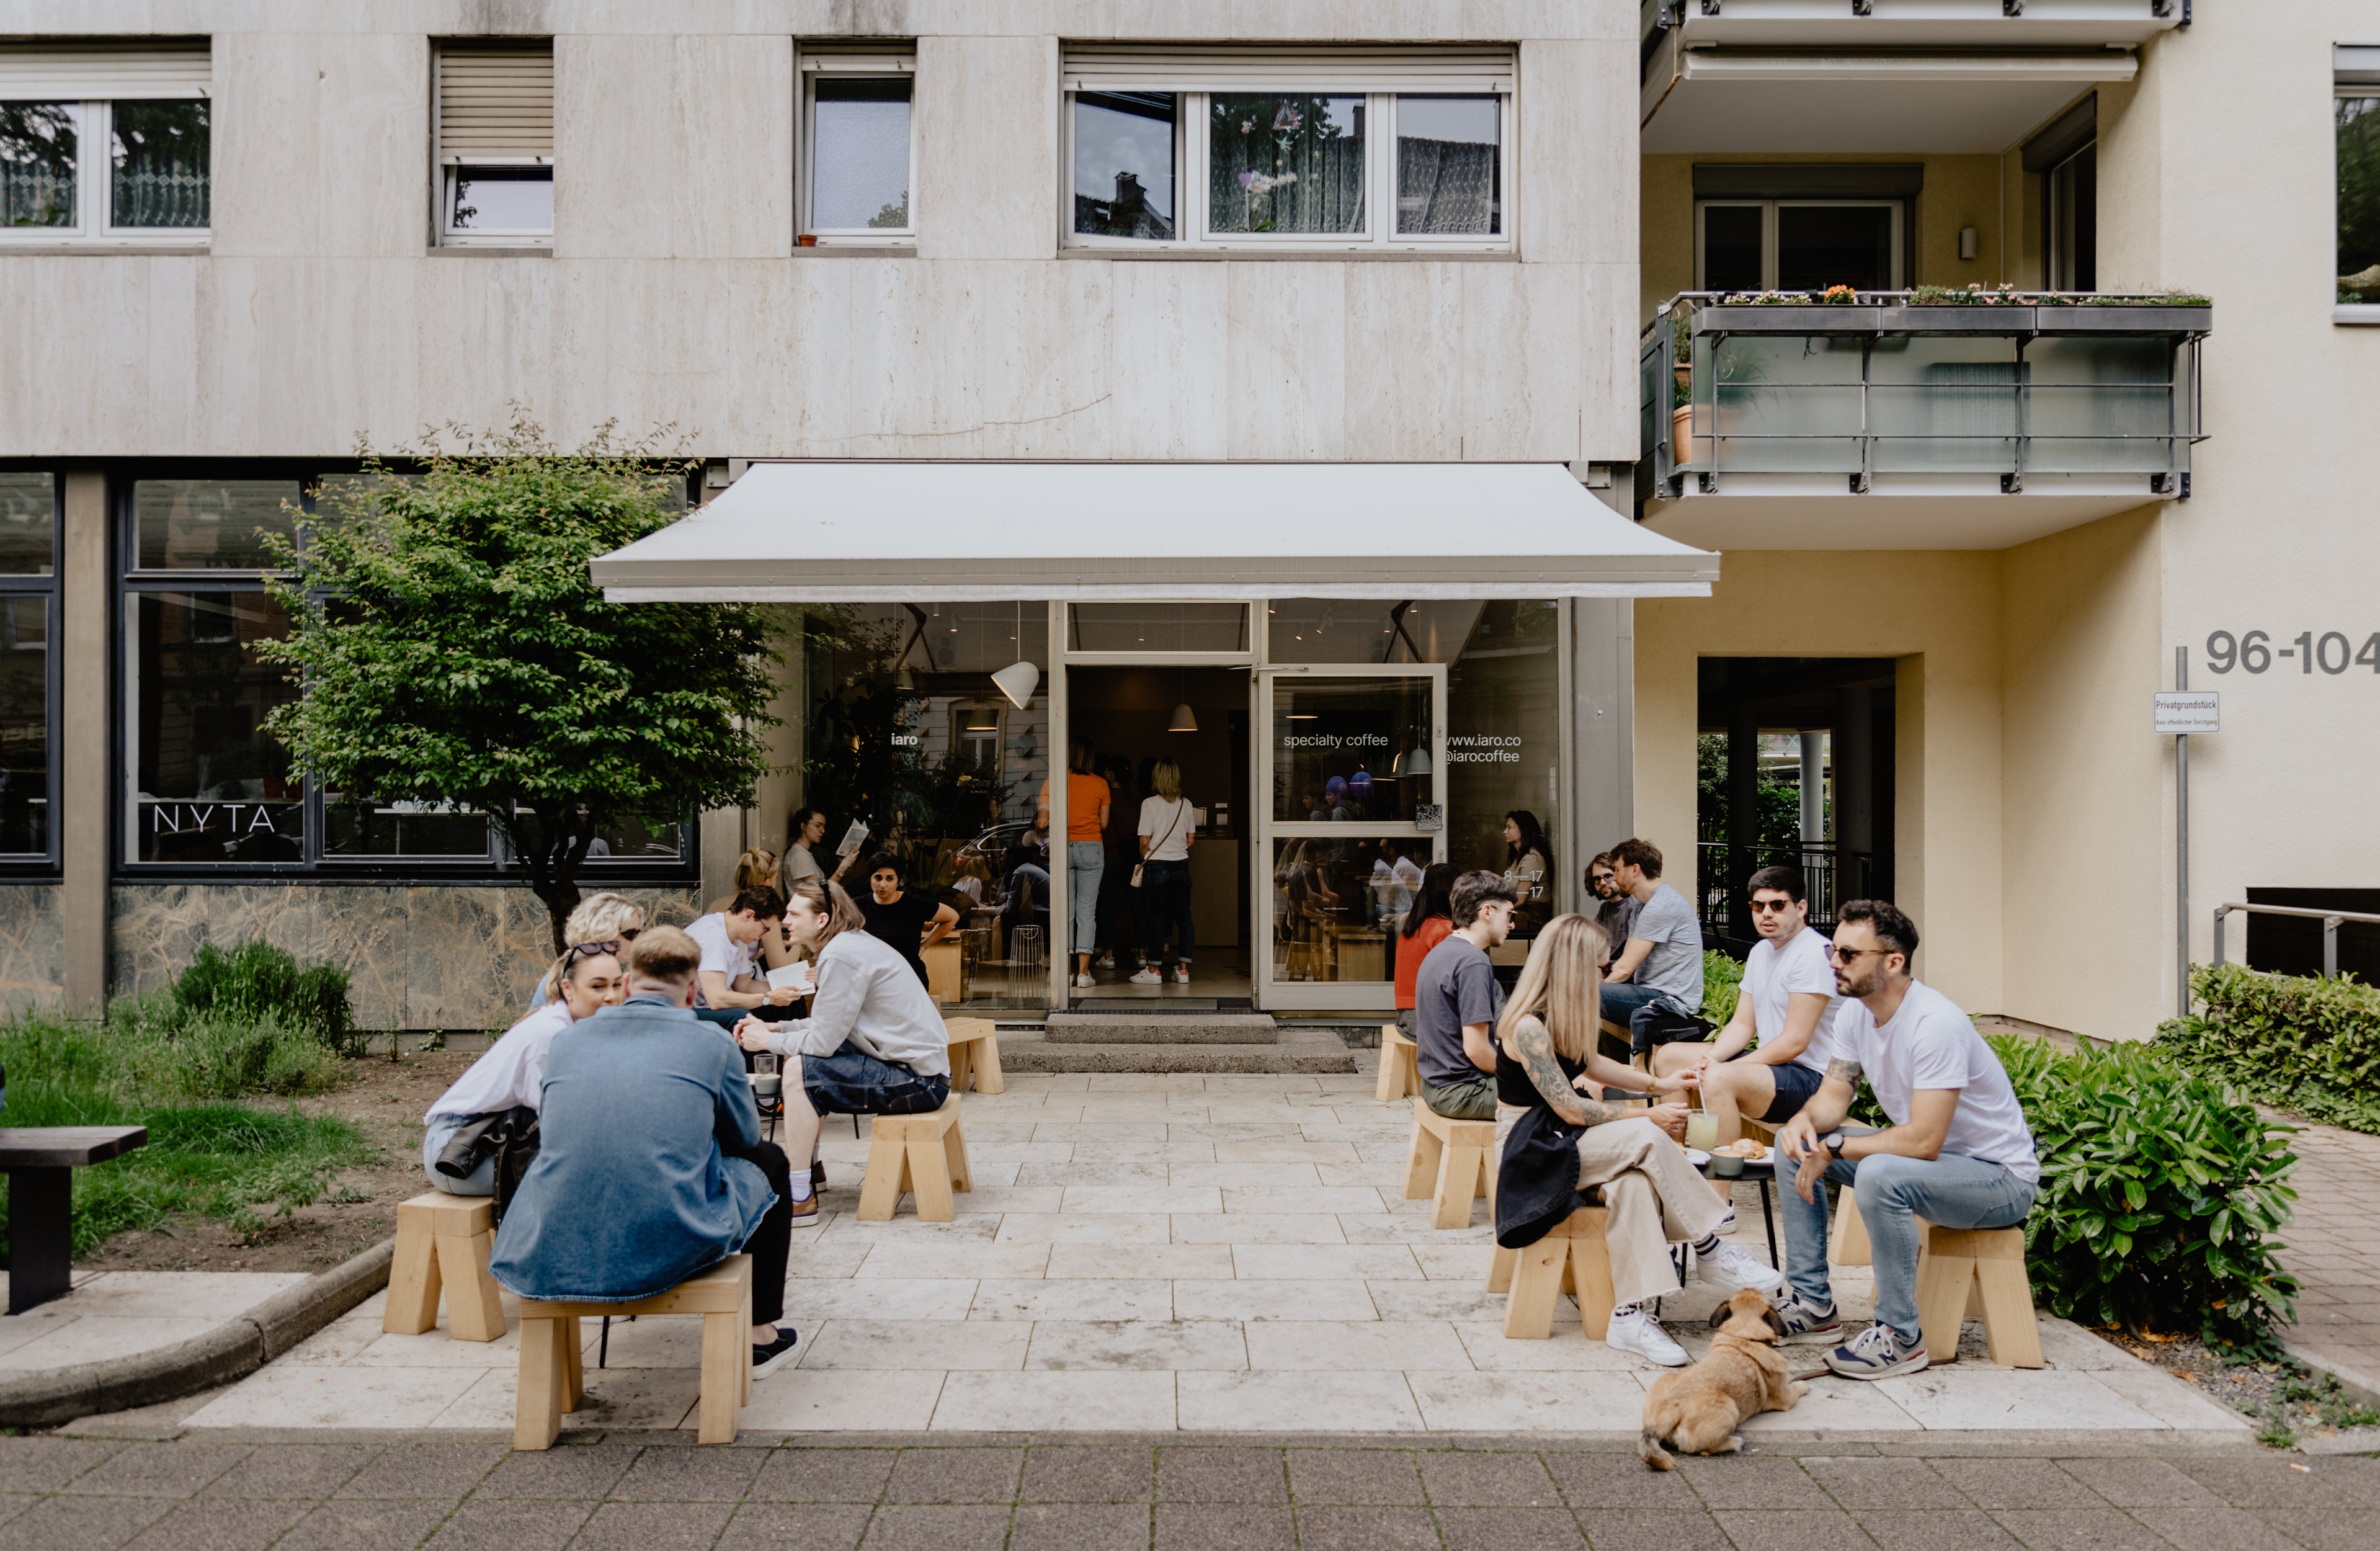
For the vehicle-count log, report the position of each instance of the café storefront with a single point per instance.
(1356, 670)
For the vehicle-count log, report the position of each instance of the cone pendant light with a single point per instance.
(1019, 678)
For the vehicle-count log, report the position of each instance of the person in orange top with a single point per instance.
(1428, 920)
(1087, 801)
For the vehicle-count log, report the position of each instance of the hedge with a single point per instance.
(2308, 1045)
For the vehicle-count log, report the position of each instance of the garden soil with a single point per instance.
(385, 1100)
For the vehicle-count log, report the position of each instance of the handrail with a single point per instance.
(2330, 922)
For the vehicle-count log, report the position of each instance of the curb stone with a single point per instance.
(237, 1347)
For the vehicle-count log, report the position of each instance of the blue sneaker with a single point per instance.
(1804, 1323)
(1878, 1352)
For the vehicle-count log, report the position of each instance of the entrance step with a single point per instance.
(1166, 1028)
(1292, 1051)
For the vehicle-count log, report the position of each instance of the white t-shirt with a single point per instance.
(800, 864)
(511, 1074)
(733, 960)
(1167, 827)
(1930, 1043)
(1772, 976)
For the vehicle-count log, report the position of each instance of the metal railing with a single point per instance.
(1831, 874)
(2051, 384)
(2331, 922)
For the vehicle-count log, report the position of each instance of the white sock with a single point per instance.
(801, 1181)
(1707, 1245)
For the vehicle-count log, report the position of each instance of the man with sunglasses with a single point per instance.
(1788, 1000)
(1958, 1152)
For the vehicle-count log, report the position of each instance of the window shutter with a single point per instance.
(1354, 67)
(40, 73)
(495, 104)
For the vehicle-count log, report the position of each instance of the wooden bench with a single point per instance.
(1450, 1164)
(974, 1055)
(1400, 1066)
(552, 1379)
(41, 1161)
(919, 1154)
(442, 1243)
(1574, 1259)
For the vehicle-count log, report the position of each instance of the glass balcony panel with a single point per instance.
(1943, 405)
(1786, 404)
(2101, 405)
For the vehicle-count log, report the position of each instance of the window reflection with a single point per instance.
(1124, 164)
(1285, 162)
(209, 786)
(1339, 905)
(29, 512)
(1344, 749)
(208, 524)
(1450, 165)
(37, 164)
(860, 153)
(159, 175)
(24, 725)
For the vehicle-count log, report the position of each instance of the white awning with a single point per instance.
(855, 532)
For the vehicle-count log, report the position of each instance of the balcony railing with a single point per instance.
(2066, 390)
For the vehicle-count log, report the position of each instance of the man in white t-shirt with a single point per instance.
(1788, 1000)
(1958, 1153)
(727, 986)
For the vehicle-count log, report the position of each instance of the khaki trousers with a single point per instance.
(1653, 1196)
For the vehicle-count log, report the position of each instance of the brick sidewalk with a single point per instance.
(2334, 1248)
(69, 1494)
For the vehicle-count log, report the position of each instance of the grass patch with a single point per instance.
(2304, 1404)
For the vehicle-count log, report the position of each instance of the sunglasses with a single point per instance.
(1763, 906)
(597, 950)
(1835, 953)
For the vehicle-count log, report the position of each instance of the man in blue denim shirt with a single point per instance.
(651, 1165)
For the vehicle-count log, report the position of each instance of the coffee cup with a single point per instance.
(765, 1084)
(1726, 1166)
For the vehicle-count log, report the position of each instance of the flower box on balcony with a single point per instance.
(1786, 320)
(2150, 318)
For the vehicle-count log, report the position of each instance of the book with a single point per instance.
(798, 976)
(853, 838)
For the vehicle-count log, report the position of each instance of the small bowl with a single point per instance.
(1726, 1166)
(767, 1084)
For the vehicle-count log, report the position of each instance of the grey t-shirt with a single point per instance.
(1454, 986)
(1675, 964)
(1616, 917)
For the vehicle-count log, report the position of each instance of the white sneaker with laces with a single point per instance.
(1181, 974)
(1085, 980)
(1730, 1268)
(1636, 1330)
(1146, 976)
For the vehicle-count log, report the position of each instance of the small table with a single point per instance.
(41, 1161)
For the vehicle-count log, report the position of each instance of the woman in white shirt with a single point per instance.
(1166, 833)
(512, 1074)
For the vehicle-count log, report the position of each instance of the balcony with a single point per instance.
(1811, 77)
(1912, 420)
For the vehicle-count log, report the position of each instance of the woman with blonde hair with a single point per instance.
(600, 917)
(1547, 1056)
(1166, 833)
(511, 1075)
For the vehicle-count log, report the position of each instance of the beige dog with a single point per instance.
(1698, 1409)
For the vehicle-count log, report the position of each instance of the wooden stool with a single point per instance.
(1847, 1234)
(975, 1054)
(1400, 1066)
(442, 1242)
(1450, 1163)
(553, 1380)
(924, 1155)
(1979, 1273)
(1572, 1259)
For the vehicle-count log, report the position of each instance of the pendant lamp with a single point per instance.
(981, 718)
(1019, 678)
(1185, 719)
(1413, 762)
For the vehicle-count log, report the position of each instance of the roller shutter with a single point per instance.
(495, 104)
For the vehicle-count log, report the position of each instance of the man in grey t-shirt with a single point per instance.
(1456, 1000)
(1655, 984)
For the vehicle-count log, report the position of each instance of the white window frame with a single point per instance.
(450, 170)
(881, 65)
(1192, 146)
(1768, 209)
(94, 161)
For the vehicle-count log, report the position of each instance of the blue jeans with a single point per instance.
(481, 1181)
(851, 1082)
(1951, 1191)
(1085, 860)
(1165, 901)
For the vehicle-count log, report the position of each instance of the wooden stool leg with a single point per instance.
(744, 1313)
(1389, 1088)
(573, 1347)
(2010, 1323)
(1488, 1169)
(536, 1405)
(930, 1177)
(1847, 1235)
(1409, 1062)
(955, 1156)
(986, 1066)
(1942, 1282)
(1499, 1270)
(961, 1065)
(1421, 1163)
(724, 1349)
(1458, 1178)
(412, 1285)
(879, 1189)
(1590, 1262)
(475, 1311)
(1537, 1282)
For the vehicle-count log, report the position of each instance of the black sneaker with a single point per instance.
(776, 1354)
(1804, 1323)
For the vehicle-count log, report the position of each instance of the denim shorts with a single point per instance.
(1795, 1084)
(851, 1082)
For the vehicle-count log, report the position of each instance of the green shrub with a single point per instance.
(2308, 1045)
(256, 980)
(1722, 984)
(2159, 1188)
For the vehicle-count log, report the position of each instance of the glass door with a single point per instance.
(1350, 811)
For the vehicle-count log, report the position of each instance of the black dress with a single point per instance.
(901, 923)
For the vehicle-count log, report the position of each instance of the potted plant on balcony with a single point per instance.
(2170, 312)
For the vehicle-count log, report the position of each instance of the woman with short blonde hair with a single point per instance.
(1652, 1197)
(602, 917)
(1163, 877)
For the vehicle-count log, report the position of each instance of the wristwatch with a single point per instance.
(1835, 1144)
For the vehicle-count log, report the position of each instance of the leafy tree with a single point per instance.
(455, 650)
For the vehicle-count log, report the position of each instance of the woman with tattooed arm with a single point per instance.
(1652, 1195)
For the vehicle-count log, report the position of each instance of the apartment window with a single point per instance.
(2065, 156)
(28, 524)
(205, 785)
(1308, 149)
(495, 145)
(859, 156)
(2356, 113)
(105, 146)
(1774, 227)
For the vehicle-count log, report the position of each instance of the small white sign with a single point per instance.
(2188, 711)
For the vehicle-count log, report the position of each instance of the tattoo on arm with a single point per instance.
(1846, 1072)
(1536, 1054)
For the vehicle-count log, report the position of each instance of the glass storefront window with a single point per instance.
(1338, 905)
(1367, 630)
(1158, 627)
(24, 725)
(29, 521)
(1503, 752)
(209, 525)
(209, 786)
(1351, 751)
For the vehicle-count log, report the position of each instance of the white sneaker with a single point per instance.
(1181, 974)
(1146, 976)
(1637, 1331)
(1731, 1267)
(1085, 980)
